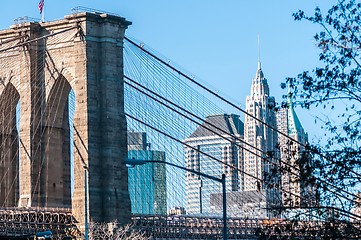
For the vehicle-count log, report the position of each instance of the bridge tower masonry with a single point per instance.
(84, 53)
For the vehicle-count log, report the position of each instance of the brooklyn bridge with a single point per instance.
(71, 90)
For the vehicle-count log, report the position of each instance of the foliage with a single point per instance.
(335, 86)
(298, 229)
(113, 231)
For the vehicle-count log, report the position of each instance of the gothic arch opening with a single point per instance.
(55, 186)
(9, 147)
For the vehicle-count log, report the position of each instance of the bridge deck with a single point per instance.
(27, 221)
(188, 227)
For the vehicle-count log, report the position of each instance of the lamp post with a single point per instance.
(133, 162)
(86, 204)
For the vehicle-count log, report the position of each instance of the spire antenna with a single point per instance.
(259, 54)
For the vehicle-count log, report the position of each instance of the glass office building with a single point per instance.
(146, 183)
(218, 137)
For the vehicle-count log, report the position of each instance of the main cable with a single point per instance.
(233, 105)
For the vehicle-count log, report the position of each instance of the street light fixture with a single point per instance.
(86, 203)
(134, 162)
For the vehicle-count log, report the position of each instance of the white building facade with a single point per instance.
(261, 160)
(218, 137)
(297, 187)
(261, 106)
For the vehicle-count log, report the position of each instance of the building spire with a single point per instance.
(294, 124)
(259, 73)
(289, 97)
(259, 55)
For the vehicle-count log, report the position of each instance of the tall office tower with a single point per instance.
(297, 189)
(146, 183)
(261, 162)
(218, 136)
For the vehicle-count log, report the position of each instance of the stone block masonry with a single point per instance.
(43, 64)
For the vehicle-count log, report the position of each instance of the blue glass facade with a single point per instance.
(147, 183)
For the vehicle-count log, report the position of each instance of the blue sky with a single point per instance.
(215, 40)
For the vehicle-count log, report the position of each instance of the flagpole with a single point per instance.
(42, 14)
(41, 9)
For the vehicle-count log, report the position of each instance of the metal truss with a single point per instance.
(199, 227)
(28, 221)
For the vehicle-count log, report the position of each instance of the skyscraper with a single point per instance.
(260, 161)
(146, 183)
(218, 136)
(261, 106)
(297, 190)
(260, 184)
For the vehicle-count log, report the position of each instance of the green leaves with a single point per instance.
(335, 84)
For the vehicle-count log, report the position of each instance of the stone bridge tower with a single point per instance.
(40, 64)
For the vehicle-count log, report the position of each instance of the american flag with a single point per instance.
(41, 6)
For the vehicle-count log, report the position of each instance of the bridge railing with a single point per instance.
(184, 226)
(79, 9)
(25, 19)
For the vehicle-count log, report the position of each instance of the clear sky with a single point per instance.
(215, 40)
